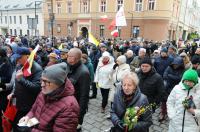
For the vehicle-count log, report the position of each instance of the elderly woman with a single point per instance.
(120, 69)
(129, 96)
(55, 108)
(183, 104)
(103, 77)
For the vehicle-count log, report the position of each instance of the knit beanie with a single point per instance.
(146, 60)
(164, 50)
(190, 75)
(56, 73)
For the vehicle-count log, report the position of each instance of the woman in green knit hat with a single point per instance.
(183, 104)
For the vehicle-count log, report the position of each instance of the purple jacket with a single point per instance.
(57, 111)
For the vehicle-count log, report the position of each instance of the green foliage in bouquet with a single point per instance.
(133, 113)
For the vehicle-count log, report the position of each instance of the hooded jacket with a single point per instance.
(57, 111)
(119, 108)
(173, 76)
(175, 109)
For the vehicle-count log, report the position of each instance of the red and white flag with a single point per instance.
(115, 33)
(120, 17)
(28, 65)
(112, 24)
(104, 18)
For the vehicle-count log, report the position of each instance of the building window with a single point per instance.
(151, 4)
(136, 31)
(103, 6)
(20, 19)
(138, 5)
(5, 19)
(102, 28)
(49, 7)
(10, 19)
(85, 6)
(69, 7)
(119, 4)
(20, 31)
(27, 18)
(15, 32)
(11, 32)
(37, 18)
(14, 19)
(28, 32)
(59, 8)
(1, 20)
(58, 28)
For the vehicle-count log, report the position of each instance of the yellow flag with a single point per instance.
(93, 40)
(61, 46)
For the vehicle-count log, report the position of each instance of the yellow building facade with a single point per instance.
(147, 19)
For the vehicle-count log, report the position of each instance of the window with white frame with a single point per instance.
(103, 6)
(5, 19)
(10, 19)
(59, 8)
(20, 19)
(14, 19)
(85, 6)
(69, 6)
(119, 4)
(102, 28)
(151, 4)
(58, 28)
(138, 5)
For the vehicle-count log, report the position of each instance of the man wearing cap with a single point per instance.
(63, 54)
(150, 82)
(55, 108)
(80, 78)
(26, 88)
(183, 104)
(163, 61)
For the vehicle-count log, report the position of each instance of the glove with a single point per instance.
(120, 125)
(115, 65)
(189, 103)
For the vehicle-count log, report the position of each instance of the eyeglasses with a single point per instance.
(45, 82)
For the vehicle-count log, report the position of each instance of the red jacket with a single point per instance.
(56, 112)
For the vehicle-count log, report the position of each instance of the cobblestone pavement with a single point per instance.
(95, 121)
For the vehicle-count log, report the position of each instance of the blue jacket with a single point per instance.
(118, 110)
(173, 76)
(161, 64)
(90, 68)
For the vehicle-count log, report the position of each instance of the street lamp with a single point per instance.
(36, 20)
(52, 19)
(131, 23)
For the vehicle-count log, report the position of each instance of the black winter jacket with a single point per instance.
(27, 88)
(152, 85)
(80, 78)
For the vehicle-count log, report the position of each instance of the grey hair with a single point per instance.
(142, 49)
(133, 76)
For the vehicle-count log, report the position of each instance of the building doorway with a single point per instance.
(84, 32)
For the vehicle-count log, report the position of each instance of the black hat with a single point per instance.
(195, 60)
(146, 60)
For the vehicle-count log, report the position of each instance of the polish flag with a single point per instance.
(103, 18)
(112, 24)
(115, 33)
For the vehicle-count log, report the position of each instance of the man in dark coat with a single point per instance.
(150, 82)
(26, 88)
(80, 78)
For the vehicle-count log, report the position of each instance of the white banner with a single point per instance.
(120, 17)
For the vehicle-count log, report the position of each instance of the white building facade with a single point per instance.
(19, 17)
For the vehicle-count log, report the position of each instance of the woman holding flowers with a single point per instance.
(130, 111)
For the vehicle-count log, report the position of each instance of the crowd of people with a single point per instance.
(129, 74)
